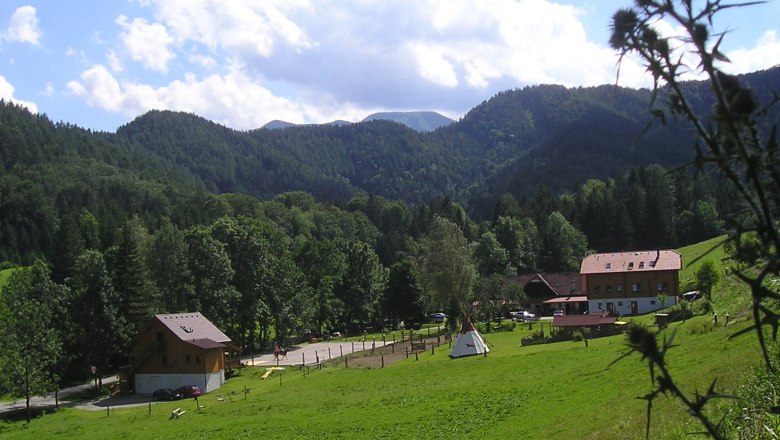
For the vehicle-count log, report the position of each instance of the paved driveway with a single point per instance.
(312, 353)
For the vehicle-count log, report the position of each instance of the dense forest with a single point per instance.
(306, 230)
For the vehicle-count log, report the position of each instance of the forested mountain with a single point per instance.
(166, 164)
(514, 142)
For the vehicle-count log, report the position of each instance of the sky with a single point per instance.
(242, 63)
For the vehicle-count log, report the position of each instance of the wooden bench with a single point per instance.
(177, 412)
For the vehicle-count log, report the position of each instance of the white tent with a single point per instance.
(469, 342)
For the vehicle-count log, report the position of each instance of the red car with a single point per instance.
(188, 391)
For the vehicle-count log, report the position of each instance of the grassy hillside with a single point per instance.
(4, 274)
(694, 255)
(562, 390)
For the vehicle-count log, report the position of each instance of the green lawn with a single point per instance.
(562, 390)
(694, 255)
(4, 274)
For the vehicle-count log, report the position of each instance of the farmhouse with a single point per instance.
(547, 291)
(180, 349)
(631, 283)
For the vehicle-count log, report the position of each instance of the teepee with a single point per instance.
(469, 342)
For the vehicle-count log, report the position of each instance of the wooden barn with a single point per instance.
(180, 349)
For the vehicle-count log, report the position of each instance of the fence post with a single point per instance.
(364, 344)
(416, 356)
(108, 410)
(341, 350)
(345, 362)
(150, 408)
(383, 361)
(303, 358)
(329, 358)
(407, 352)
(353, 346)
(433, 348)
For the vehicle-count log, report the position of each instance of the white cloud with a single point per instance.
(147, 43)
(113, 61)
(100, 88)
(238, 25)
(232, 99)
(48, 90)
(23, 27)
(207, 63)
(7, 93)
(764, 55)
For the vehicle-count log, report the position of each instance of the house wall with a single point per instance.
(172, 355)
(146, 383)
(604, 286)
(622, 306)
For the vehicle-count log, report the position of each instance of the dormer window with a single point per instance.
(186, 329)
(609, 265)
(641, 264)
(631, 265)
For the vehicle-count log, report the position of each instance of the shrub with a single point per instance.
(701, 327)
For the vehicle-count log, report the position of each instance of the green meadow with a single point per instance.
(552, 391)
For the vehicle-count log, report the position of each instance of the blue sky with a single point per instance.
(242, 63)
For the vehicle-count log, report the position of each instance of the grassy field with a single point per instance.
(552, 391)
(4, 274)
(696, 254)
(562, 390)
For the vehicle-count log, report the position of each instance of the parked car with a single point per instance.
(166, 394)
(559, 312)
(528, 316)
(437, 317)
(188, 391)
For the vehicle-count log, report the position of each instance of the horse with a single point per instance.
(280, 353)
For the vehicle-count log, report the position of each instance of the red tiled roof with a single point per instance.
(582, 320)
(641, 261)
(192, 326)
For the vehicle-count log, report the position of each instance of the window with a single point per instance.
(619, 287)
(641, 264)
(620, 303)
(186, 329)
(197, 358)
(609, 288)
(652, 303)
(636, 287)
(651, 263)
(187, 359)
(630, 265)
(596, 289)
(609, 265)
(661, 286)
(165, 361)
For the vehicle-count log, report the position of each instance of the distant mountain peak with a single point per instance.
(417, 120)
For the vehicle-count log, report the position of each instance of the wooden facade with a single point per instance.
(180, 349)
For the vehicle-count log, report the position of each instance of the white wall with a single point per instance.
(147, 383)
(623, 306)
